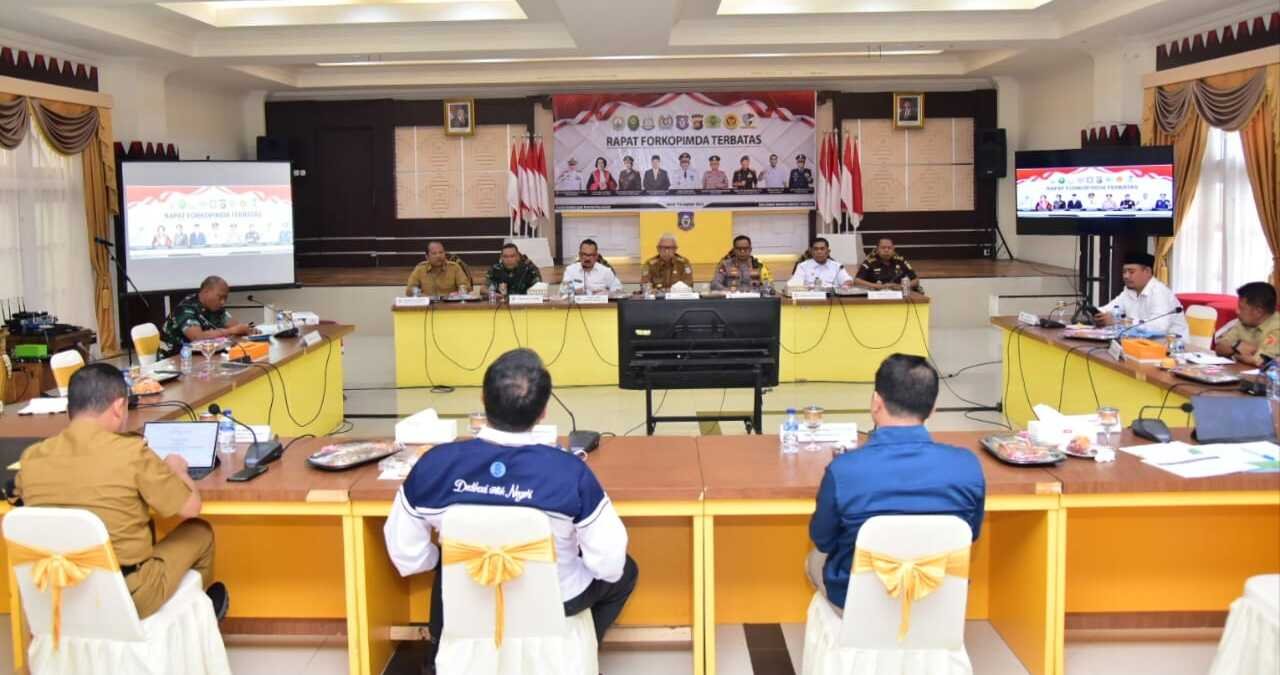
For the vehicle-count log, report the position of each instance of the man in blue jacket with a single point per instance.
(900, 470)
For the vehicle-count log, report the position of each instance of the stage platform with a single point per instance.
(629, 272)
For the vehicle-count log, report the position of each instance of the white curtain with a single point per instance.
(44, 250)
(1221, 245)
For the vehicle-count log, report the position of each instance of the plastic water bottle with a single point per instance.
(791, 433)
(184, 360)
(1273, 382)
(226, 433)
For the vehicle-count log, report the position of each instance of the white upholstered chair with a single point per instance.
(1201, 320)
(1251, 642)
(64, 364)
(866, 640)
(100, 629)
(537, 638)
(146, 342)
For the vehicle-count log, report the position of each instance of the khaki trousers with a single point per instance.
(188, 547)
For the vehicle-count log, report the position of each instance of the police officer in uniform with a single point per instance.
(741, 269)
(93, 465)
(885, 269)
(200, 316)
(801, 176)
(513, 274)
(437, 275)
(666, 268)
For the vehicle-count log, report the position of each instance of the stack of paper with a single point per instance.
(45, 406)
(1189, 461)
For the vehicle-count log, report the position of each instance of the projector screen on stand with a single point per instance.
(184, 221)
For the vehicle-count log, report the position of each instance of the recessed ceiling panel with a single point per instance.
(739, 7)
(248, 13)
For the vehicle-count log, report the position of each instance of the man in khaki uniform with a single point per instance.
(1254, 338)
(666, 268)
(438, 275)
(91, 465)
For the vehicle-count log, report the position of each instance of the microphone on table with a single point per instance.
(586, 441)
(1176, 310)
(1154, 429)
(259, 452)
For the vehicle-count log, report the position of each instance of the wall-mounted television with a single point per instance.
(1112, 190)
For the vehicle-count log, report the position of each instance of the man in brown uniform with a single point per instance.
(91, 465)
(666, 268)
(438, 275)
(1254, 339)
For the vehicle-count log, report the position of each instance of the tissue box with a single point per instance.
(426, 428)
(1143, 349)
(255, 351)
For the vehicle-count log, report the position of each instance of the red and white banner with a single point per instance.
(685, 150)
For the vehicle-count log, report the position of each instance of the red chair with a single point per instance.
(1225, 304)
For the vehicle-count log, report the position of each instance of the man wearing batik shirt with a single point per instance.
(591, 542)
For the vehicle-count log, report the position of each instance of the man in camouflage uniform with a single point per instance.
(438, 275)
(1254, 338)
(513, 274)
(201, 316)
(666, 268)
(885, 269)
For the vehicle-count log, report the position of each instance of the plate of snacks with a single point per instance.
(1081, 446)
(147, 386)
(1020, 450)
(348, 455)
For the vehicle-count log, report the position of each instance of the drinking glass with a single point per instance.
(206, 348)
(813, 422)
(477, 420)
(1109, 418)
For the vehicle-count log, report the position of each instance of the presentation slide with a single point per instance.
(1126, 191)
(185, 221)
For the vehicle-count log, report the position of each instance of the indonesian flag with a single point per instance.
(851, 182)
(513, 182)
(526, 192)
(833, 177)
(820, 184)
(540, 172)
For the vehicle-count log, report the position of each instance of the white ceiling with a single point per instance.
(525, 46)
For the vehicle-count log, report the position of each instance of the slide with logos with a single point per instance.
(1137, 191)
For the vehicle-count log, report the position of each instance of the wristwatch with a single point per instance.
(1235, 348)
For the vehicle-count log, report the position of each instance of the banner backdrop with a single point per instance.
(681, 151)
(1140, 191)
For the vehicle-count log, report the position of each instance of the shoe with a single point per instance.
(221, 599)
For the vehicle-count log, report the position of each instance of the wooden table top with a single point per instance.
(557, 303)
(288, 479)
(641, 468)
(1097, 353)
(751, 467)
(194, 392)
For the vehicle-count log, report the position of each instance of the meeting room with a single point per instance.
(520, 337)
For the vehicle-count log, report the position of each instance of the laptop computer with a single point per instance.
(197, 442)
(1232, 419)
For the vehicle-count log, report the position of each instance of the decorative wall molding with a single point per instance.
(1120, 133)
(1243, 37)
(38, 68)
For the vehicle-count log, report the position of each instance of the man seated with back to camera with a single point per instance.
(1254, 338)
(591, 542)
(94, 465)
(900, 470)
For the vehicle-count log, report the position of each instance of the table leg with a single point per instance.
(17, 628)
(708, 626)
(1027, 555)
(382, 596)
(355, 620)
(699, 605)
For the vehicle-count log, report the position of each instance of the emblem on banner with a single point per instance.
(633, 122)
(684, 221)
(647, 124)
(682, 122)
(619, 123)
(731, 121)
(665, 121)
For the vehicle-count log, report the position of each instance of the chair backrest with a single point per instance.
(98, 607)
(533, 604)
(146, 341)
(871, 616)
(1201, 322)
(64, 364)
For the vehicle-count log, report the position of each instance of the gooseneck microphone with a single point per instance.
(259, 452)
(1175, 310)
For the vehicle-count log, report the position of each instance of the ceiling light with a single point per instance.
(870, 53)
(747, 7)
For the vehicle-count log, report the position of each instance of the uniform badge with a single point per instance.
(497, 469)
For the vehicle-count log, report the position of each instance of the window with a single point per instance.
(1221, 245)
(44, 250)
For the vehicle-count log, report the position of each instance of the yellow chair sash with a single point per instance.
(911, 580)
(489, 566)
(54, 572)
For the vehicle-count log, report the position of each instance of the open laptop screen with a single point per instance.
(1233, 419)
(195, 441)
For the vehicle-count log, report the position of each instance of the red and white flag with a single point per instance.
(833, 177)
(540, 173)
(851, 182)
(513, 183)
(526, 193)
(822, 188)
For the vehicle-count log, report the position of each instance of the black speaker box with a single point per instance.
(273, 148)
(989, 153)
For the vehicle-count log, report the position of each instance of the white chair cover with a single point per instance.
(1251, 642)
(101, 632)
(148, 348)
(538, 639)
(68, 359)
(865, 641)
(1200, 323)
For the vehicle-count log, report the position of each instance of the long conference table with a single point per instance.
(840, 339)
(718, 526)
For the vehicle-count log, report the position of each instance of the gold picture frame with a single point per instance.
(908, 110)
(459, 116)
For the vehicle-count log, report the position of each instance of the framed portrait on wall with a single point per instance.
(459, 117)
(908, 111)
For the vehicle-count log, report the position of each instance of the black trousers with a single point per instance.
(605, 600)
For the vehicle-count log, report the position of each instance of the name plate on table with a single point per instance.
(808, 295)
(590, 299)
(884, 295)
(312, 339)
(741, 294)
(413, 302)
(686, 295)
(1116, 350)
(526, 299)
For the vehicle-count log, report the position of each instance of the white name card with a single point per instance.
(1116, 350)
(884, 295)
(590, 299)
(808, 295)
(686, 295)
(526, 299)
(1028, 319)
(413, 302)
(312, 339)
(741, 294)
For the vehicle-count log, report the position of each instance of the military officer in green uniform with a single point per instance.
(666, 268)
(886, 270)
(513, 274)
(1254, 338)
(201, 316)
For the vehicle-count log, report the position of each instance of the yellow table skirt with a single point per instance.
(303, 396)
